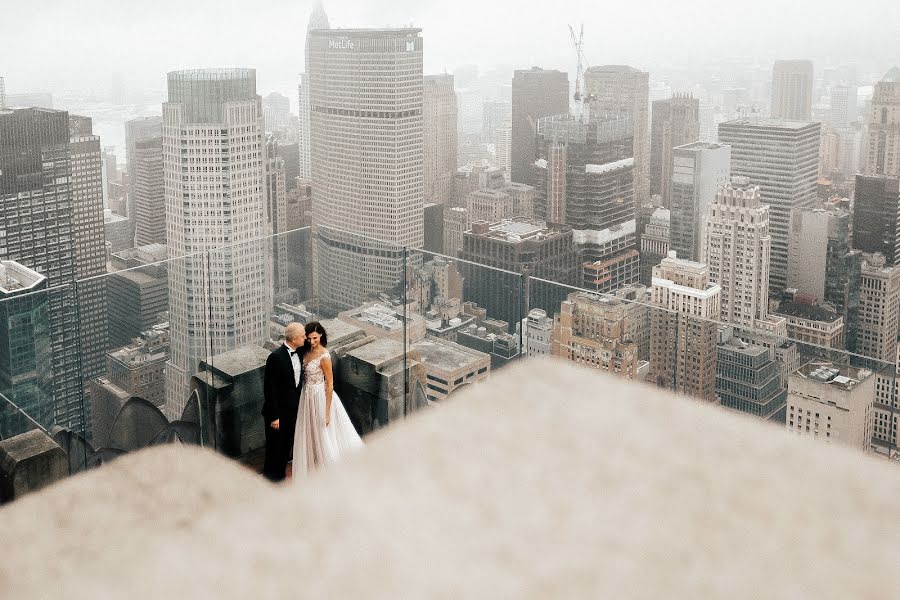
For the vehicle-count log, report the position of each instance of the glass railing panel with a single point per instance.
(38, 354)
(136, 381)
(40, 362)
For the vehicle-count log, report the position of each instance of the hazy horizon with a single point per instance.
(117, 44)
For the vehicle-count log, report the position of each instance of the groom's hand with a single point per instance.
(274, 424)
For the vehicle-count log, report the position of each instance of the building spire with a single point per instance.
(318, 19)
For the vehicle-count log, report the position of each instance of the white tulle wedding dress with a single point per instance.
(316, 445)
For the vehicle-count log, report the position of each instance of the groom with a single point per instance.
(281, 388)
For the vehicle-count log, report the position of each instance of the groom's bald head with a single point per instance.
(295, 334)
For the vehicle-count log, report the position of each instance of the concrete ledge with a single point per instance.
(29, 462)
(547, 481)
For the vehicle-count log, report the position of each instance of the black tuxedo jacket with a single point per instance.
(282, 397)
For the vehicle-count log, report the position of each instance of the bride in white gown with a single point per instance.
(324, 431)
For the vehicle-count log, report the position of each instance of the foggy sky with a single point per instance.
(60, 45)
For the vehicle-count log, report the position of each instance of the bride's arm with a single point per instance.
(329, 386)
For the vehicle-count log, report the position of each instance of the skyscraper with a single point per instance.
(820, 238)
(367, 158)
(736, 251)
(26, 373)
(654, 243)
(277, 218)
(317, 20)
(879, 309)
(503, 146)
(149, 197)
(699, 169)
(675, 122)
(683, 335)
(883, 142)
(782, 158)
(276, 111)
(822, 263)
(876, 216)
(220, 280)
(148, 193)
(36, 195)
(792, 90)
(90, 245)
(585, 178)
(843, 105)
(440, 138)
(456, 223)
(536, 93)
(494, 114)
(522, 246)
(622, 91)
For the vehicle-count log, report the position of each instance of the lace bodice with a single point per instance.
(312, 371)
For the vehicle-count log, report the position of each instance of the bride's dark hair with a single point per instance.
(316, 327)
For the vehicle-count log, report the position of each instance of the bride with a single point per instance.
(324, 431)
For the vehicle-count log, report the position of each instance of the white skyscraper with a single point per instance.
(305, 171)
(699, 169)
(782, 158)
(503, 147)
(220, 280)
(440, 138)
(883, 124)
(317, 20)
(736, 250)
(367, 150)
(843, 105)
(792, 89)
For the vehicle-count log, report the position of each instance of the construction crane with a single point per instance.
(578, 42)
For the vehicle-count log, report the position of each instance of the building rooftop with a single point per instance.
(807, 311)
(702, 145)
(375, 32)
(768, 123)
(828, 373)
(515, 230)
(446, 355)
(151, 347)
(378, 351)
(239, 361)
(613, 69)
(339, 331)
(735, 344)
(15, 277)
(377, 314)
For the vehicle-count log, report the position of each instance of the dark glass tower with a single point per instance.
(876, 216)
(37, 225)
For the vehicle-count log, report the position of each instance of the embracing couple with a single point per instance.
(301, 411)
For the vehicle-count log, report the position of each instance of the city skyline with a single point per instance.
(776, 37)
(669, 223)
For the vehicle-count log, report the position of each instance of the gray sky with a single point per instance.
(60, 45)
